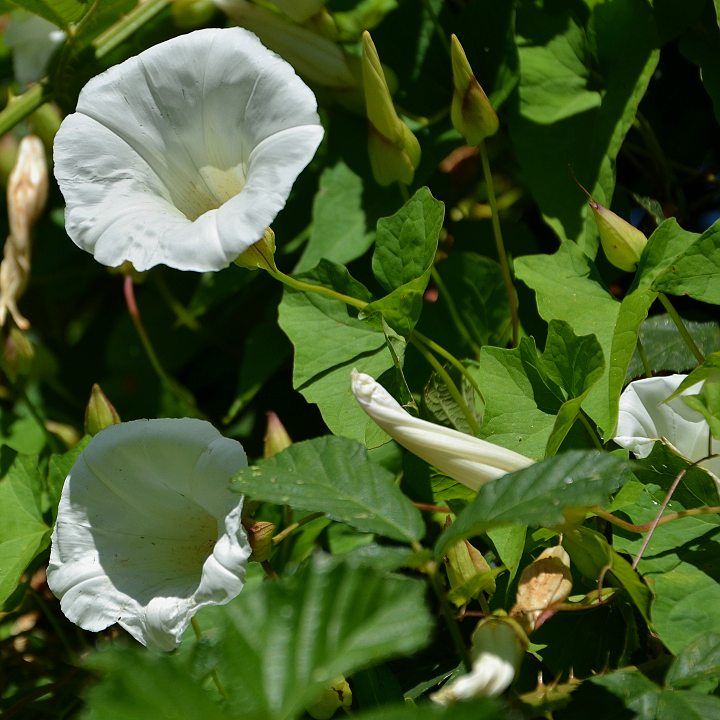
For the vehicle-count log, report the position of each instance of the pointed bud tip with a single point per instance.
(100, 413)
(622, 243)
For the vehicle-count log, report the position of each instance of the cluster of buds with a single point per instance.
(26, 196)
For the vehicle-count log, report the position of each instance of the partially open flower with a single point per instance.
(498, 648)
(148, 531)
(465, 458)
(184, 154)
(645, 417)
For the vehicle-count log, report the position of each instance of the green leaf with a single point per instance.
(329, 342)
(697, 271)
(707, 403)
(580, 87)
(592, 555)
(333, 475)
(696, 662)
(23, 533)
(339, 230)
(566, 288)
(405, 247)
(440, 407)
(664, 248)
(633, 310)
(279, 644)
(521, 402)
(540, 494)
(509, 543)
(405, 243)
(59, 468)
(666, 350)
(59, 12)
(142, 685)
(708, 368)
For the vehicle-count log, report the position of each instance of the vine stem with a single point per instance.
(644, 527)
(431, 570)
(294, 526)
(180, 392)
(451, 386)
(19, 107)
(318, 289)
(680, 325)
(658, 517)
(500, 245)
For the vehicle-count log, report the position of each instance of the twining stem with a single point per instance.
(18, 108)
(680, 325)
(590, 430)
(180, 392)
(658, 517)
(500, 245)
(318, 289)
(442, 352)
(453, 311)
(213, 673)
(431, 570)
(451, 386)
(294, 526)
(670, 517)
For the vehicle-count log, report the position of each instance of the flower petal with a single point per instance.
(468, 459)
(148, 531)
(154, 163)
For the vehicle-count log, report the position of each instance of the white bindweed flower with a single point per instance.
(465, 458)
(148, 531)
(498, 648)
(645, 418)
(184, 154)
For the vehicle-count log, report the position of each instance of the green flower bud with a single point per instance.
(338, 695)
(472, 114)
(464, 563)
(276, 436)
(394, 150)
(100, 412)
(622, 243)
(261, 255)
(191, 14)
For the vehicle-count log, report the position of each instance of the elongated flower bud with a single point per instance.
(261, 255)
(315, 57)
(337, 695)
(622, 243)
(394, 150)
(465, 458)
(471, 112)
(547, 581)
(26, 196)
(276, 436)
(100, 413)
(464, 563)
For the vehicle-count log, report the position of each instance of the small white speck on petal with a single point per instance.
(148, 530)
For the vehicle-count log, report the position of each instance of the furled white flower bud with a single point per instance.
(465, 458)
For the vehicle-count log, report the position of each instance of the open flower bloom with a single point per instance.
(184, 154)
(498, 648)
(148, 531)
(465, 458)
(645, 417)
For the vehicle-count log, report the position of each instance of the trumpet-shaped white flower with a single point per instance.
(645, 418)
(465, 458)
(498, 648)
(184, 154)
(148, 531)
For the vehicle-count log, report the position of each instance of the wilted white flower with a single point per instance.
(645, 418)
(148, 531)
(498, 647)
(465, 458)
(33, 40)
(184, 154)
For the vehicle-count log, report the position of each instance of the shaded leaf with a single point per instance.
(696, 662)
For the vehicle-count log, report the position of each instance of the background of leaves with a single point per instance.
(622, 94)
